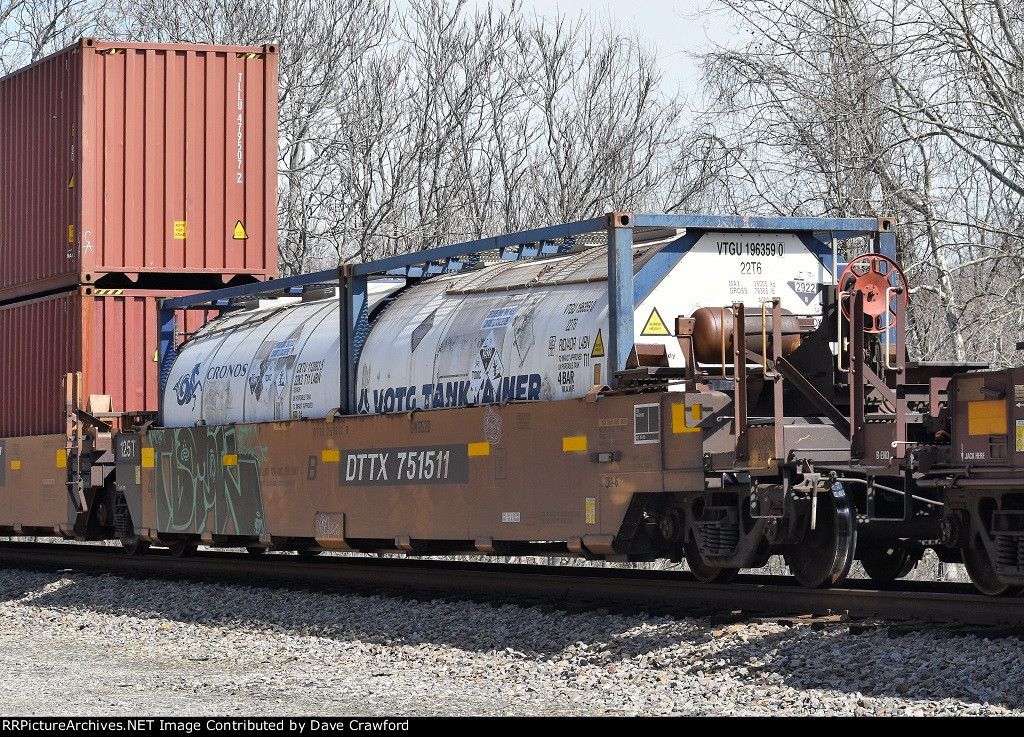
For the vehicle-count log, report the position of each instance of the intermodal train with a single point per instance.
(631, 387)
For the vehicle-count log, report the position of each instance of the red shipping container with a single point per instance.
(110, 335)
(120, 163)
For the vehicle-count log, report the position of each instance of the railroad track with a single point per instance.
(911, 606)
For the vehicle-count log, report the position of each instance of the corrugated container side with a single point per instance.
(123, 162)
(108, 335)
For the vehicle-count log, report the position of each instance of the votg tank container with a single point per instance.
(509, 331)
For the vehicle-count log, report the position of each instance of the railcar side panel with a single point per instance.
(33, 491)
(526, 472)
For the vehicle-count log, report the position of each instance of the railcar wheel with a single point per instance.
(887, 564)
(702, 571)
(134, 546)
(983, 575)
(823, 558)
(182, 549)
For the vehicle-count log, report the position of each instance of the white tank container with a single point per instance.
(278, 360)
(531, 330)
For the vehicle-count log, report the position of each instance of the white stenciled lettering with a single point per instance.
(241, 122)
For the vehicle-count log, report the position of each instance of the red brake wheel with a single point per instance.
(874, 275)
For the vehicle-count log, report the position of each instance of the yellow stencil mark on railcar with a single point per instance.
(230, 459)
(679, 421)
(240, 234)
(148, 458)
(987, 417)
(71, 182)
(15, 465)
(479, 449)
(574, 443)
(591, 510)
(62, 458)
(71, 234)
(330, 455)
(655, 325)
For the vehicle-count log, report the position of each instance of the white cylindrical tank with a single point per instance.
(274, 361)
(529, 330)
(539, 329)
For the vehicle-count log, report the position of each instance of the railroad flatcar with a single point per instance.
(633, 387)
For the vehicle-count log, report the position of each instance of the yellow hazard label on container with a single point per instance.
(240, 234)
(180, 230)
(71, 234)
(71, 182)
(598, 346)
(655, 325)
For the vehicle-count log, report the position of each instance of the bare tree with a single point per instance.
(439, 122)
(32, 29)
(609, 135)
(869, 108)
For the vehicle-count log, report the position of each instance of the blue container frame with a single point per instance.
(625, 289)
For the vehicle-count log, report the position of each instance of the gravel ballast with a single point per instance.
(81, 645)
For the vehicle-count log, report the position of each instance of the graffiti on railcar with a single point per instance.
(207, 480)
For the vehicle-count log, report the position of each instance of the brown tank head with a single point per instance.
(713, 332)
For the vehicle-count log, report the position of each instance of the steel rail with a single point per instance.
(923, 603)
